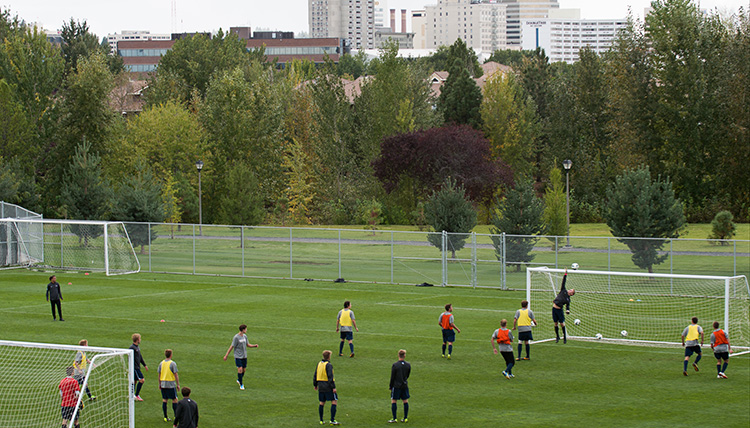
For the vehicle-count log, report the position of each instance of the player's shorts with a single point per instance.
(347, 335)
(558, 315)
(79, 378)
(524, 335)
(721, 355)
(168, 393)
(137, 375)
(327, 396)
(449, 335)
(508, 356)
(67, 413)
(400, 393)
(689, 350)
(240, 362)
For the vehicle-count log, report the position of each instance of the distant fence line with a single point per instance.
(411, 257)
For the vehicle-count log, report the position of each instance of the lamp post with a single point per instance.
(199, 165)
(567, 163)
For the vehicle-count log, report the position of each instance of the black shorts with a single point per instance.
(137, 374)
(689, 350)
(449, 335)
(347, 335)
(240, 362)
(558, 315)
(508, 357)
(400, 393)
(169, 393)
(524, 336)
(67, 413)
(327, 396)
(721, 355)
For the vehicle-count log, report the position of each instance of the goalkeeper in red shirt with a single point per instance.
(69, 392)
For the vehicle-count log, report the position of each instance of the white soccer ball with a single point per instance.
(599, 336)
(574, 266)
(624, 333)
(577, 322)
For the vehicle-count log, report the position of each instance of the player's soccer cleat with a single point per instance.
(62, 319)
(242, 387)
(392, 421)
(565, 341)
(518, 359)
(335, 423)
(448, 356)
(138, 398)
(512, 375)
(351, 355)
(341, 355)
(695, 366)
(507, 376)
(167, 419)
(723, 376)
(557, 340)
(526, 358)
(684, 373)
(92, 398)
(238, 382)
(404, 420)
(443, 355)
(322, 423)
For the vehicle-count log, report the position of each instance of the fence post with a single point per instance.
(504, 272)
(671, 258)
(62, 250)
(340, 276)
(193, 248)
(391, 257)
(149, 247)
(445, 258)
(735, 258)
(556, 252)
(291, 257)
(242, 247)
(474, 259)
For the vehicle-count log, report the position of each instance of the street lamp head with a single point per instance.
(567, 163)
(199, 165)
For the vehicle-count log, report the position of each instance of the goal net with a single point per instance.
(641, 308)
(31, 376)
(97, 246)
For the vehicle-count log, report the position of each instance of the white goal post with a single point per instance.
(98, 246)
(31, 375)
(641, 308)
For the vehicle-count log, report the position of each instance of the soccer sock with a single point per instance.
(320, 411)
(164, 408)
(138, 388)
(685, 366)
(724, 369)
(393, 410)
(718, 368)
(528, 351)
(174, 408)
(443, 348)
(557, 332)
(341, 347)
(519, 350)
(509, 368)
(406, 410)
(698, 358)
(351, 347)
(450, 349)
(565, 334)
(333, 412)
(241, 377)
(88, 392)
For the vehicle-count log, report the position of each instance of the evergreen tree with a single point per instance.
(460, 98)
(520, 213)
(242, 204)
(639, 207)
(723, 227)
(555, 206)
(139, 199)
(449, 210)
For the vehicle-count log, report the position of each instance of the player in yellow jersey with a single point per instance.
(80, 364)
(690, 337)
(524, 320)
(345, 322)
(169, 382)
(324, 383)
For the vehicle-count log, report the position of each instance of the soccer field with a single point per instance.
(576, 384)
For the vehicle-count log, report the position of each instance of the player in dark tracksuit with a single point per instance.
(326, 386)
(54, 296)
(399, 385)
(562, 299)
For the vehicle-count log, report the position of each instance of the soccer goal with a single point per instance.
(641, 308)
(31, 375)
(98, 246)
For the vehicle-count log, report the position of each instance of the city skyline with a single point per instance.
(192, 15)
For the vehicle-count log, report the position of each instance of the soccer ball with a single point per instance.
(624, 333)
(577, 322)
(599, 336)
(574, 266)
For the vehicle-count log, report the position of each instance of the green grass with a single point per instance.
(578, 384)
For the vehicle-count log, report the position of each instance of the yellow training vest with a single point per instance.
(692, 332)
(166, 374)
(322, 376)
(346, 318)
(523, 318)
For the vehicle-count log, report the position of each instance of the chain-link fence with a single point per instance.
(388, 256)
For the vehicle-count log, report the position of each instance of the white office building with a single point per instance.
(479, 23)
(113, 39)
(352, 20)
(523, 10)
(564, 34)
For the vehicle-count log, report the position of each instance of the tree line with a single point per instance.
(291, 145)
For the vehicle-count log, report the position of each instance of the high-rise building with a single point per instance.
(352, 20)
(380, 13)
(479, 23)
(522, 10)
(418, 27)
(113, 39)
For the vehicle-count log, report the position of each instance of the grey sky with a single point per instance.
(106, 16)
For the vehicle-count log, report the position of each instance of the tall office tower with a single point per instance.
(418, 27)
(380, 13)
(353, 20)
(479, 23)
(523, 10)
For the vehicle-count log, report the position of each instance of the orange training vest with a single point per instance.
(502, 336)
(721, 338)
(446, 321)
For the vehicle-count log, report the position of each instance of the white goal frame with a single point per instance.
(543, 308)
(33, 243)
(126, 380)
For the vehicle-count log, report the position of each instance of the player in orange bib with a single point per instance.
(449, 335)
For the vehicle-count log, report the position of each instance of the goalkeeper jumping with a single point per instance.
(562, 299)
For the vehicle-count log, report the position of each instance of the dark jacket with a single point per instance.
(53, 291)
(186, 414)
(400, 374)
(563, 299)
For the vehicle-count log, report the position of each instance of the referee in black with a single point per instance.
(400, 385)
